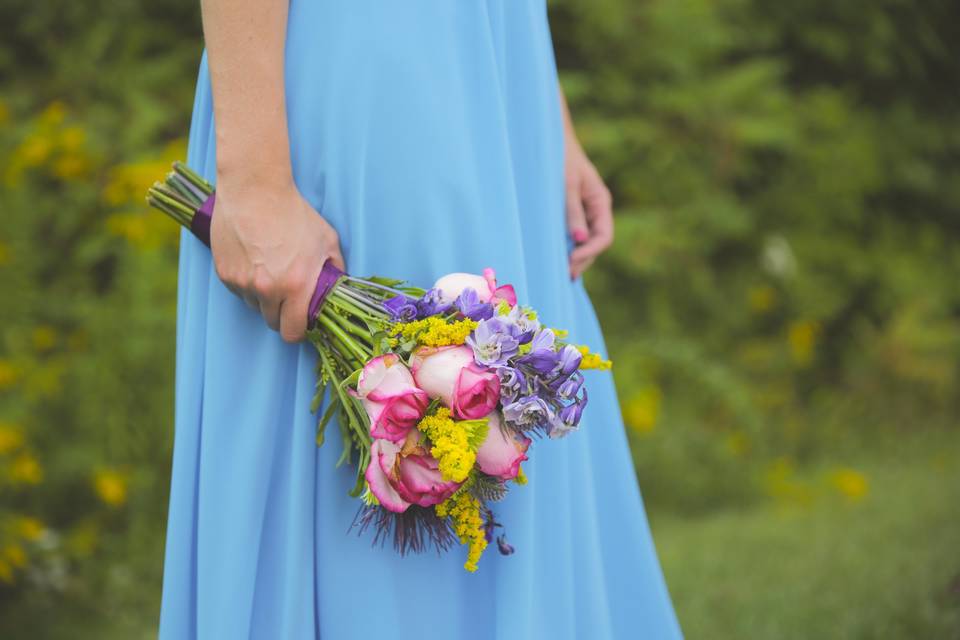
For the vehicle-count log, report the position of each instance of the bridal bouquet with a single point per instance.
(438, 391)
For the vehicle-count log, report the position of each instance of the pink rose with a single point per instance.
(451, 374)
(403, 475)
(502, 452)
(392, 400)
(453, 284)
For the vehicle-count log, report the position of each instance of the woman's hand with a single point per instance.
(589, 203)
(268, 247)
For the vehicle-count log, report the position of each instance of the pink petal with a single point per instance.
(382, 456)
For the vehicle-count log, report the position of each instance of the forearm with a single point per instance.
(569, 133)
(245, 52)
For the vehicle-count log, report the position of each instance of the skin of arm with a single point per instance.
(268, 242)
(589, 203)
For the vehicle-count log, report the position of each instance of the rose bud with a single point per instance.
(503, 450)
(390, 397)
(451, 374)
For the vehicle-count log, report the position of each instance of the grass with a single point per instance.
(816, 563)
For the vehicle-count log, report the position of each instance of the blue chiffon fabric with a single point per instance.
(429, 134)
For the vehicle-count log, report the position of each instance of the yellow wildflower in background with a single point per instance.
(11, 437)
(8, 374)
(737, 443)
(643, 409)
(435, 332)
(455, 442)
(4, 253)
(15, 555)
(29, 528)
(852, 484)
(464, 510)
(110, 486)
(802, 337)
(44, 337)
(761, 299)
(592, 360)
(26, 469)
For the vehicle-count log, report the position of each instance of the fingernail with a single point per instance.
(579, 235)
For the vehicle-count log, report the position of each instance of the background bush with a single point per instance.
(787, 183)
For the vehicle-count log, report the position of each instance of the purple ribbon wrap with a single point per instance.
(200, 227)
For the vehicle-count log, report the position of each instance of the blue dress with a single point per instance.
(429, 135)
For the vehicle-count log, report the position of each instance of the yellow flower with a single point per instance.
(4, 253)
(455, 442)
(8, 375)
(26, 469)
(643, 409)
(110, 486)
(72, 138)
(15, 555)
(11, 437)
(521, 478)
(44, 337)
(802, 337)
(850, 483)
(464, 510)
(592, 360)
(761, 299)
(435, 332)
(29, 528)
(6, 572)
(54, 114)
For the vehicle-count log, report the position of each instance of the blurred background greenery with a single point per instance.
(787, 180)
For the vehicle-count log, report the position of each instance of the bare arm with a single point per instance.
(268, 243)
(589, 204)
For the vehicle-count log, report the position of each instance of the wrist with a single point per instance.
(254, 173)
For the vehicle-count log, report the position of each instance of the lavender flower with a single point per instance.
(505, 547)
(493, 343)
(470, 305)
(569, 360)
(528, 412)
(525, 321)
(401, 308)
(512, 383)
(569, 387)
(569, 418)
(431, 304)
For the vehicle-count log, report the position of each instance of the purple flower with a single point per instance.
(569, 387)
(489, 526)
(401, 308)
(512, 383)
(493, 343)
(525, 321)
(568, 418)
(505, 547)
(470, 305)
(431, 304)
(527, 412)
(569, 359)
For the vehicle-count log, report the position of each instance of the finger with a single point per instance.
(589, 249)
(337, 259)
(293, 317)
(251, 300)
(270, 310)
(576, 216)
(580, 266)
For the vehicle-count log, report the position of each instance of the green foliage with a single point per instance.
(785, 180)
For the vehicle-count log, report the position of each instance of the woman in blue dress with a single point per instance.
(409, 139)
